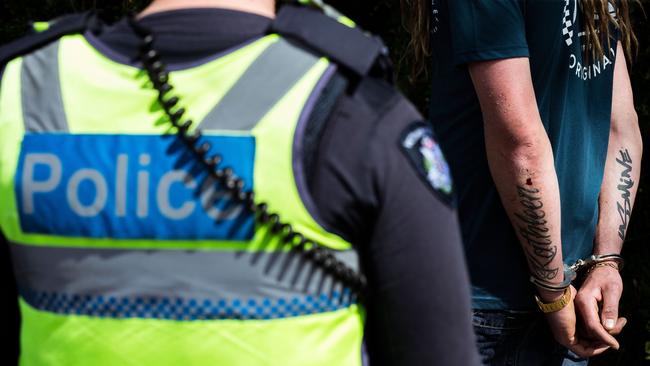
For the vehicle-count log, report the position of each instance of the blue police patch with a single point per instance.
(130, 187)
(420, 147)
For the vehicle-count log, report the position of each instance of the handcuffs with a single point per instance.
(571, 271)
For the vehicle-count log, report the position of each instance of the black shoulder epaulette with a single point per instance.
(351, 48)
(69, 24)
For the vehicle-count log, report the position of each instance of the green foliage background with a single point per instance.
(383, 17)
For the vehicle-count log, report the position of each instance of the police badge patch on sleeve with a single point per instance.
(424, 153)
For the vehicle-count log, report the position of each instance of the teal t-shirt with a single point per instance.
(574, 97)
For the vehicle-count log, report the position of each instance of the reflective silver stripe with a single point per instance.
(260, 88)
(185, 274)
(42, 102)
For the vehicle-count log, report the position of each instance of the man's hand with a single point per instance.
(563, 327)
(597, 304)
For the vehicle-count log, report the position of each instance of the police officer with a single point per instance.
(212, 184)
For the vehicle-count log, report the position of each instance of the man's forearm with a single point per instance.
(527, 183)
(521, 162)
(618, 191)
(599, 296)
(622, 167)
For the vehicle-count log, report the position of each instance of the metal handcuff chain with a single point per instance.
(593, 260)
(319, 255)
(581, 265)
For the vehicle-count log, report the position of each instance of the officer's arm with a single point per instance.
(419, 309)
(522, 166)
(374, 191)
(603, 285)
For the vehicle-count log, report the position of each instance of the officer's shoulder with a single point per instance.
(357, 53)
(380, 97)
(381, 108)
(361, 57)
(45, 33)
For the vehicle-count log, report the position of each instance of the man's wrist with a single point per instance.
(611, 266)
(549, 296)
(613, 260)
(607, 250)
(555, 305)
(550, 291)
(607, 246)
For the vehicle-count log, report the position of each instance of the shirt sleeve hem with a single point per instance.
(461, 58)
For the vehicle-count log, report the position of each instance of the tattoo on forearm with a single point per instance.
(626, 184)
(533, 227)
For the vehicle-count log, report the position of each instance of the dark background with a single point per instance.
(383, 17)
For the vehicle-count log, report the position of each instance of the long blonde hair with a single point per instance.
(592, 9)
(416, 16)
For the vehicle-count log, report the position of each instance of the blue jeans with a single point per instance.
(508, 338)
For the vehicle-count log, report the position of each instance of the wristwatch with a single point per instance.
(556, 305)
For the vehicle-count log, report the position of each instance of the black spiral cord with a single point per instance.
(312, 251)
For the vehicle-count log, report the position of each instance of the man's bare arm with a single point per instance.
(623, 166)
(522, 165)
(603, 287)
(521, 162)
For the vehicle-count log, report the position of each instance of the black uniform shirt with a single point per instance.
(367, 188)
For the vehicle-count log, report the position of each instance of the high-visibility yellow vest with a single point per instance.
(124, 251)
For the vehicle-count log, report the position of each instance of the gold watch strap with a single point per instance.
(557, 305)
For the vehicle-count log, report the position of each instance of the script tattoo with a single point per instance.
(533, 227)
(626, 183)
